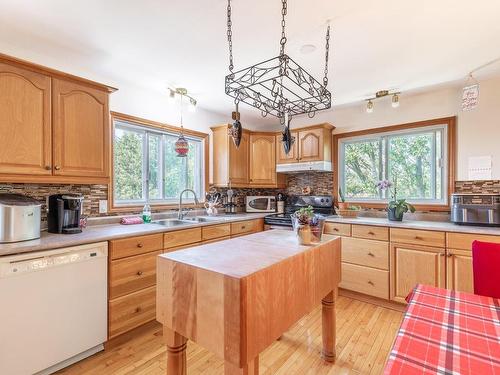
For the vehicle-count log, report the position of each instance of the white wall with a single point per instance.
(478, 131)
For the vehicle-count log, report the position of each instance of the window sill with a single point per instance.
(419, 206)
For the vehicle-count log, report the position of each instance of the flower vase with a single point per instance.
(304, 234)
(393, 216)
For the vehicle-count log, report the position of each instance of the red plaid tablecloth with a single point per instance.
(447, 332)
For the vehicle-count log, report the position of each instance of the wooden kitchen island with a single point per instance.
(236, 297)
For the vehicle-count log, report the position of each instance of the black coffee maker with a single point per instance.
(64, 213)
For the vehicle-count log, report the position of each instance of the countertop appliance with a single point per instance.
(64, 213)
(54, 308)
(318, 166)
(19, 218)
(475, 209)
(262, 203)
(322, 204)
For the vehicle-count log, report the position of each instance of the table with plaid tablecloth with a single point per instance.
(447, 332)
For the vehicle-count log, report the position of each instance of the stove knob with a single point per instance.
(322, 200)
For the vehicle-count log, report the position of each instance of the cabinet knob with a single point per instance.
(48, 167)
(371, 233)
(418, 238)
(449, 255)
(140, 245)
(371, 283)
(442, 254)
(371, 254)
(137, 309)
(57, 167)
(336, 229)
(139, 273)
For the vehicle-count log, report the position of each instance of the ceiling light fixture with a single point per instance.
(182, 145)
(369, 106)
(382, 94)
(278, 86)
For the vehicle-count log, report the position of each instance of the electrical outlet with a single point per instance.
(103, 206)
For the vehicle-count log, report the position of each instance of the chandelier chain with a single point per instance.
(327, 51)
(230, 36)
(283, 24)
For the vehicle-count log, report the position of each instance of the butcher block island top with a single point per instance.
(236, 297)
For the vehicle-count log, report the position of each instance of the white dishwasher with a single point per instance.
(53, 308)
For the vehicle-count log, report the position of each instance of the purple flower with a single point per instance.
(384, 184)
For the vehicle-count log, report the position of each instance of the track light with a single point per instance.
(369, 106)
(395, 100)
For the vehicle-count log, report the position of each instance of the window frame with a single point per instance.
(149, 128)
(447, 142)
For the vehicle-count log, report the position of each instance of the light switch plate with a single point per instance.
(103, 206)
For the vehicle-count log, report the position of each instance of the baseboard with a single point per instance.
(72, 360)
(373, 300)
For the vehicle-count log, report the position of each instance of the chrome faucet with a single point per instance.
(180, 215)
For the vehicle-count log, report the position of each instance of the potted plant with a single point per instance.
(343, 205)
(396, 207)
(307, 225)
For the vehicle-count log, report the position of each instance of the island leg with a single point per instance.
(251, 368)
(329, 329)
(176, 352)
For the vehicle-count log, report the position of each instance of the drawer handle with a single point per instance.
(371, 283)
(418, 238)
(48, 167)
(441, 254)
(140, 245)
(371, 233)
(371, 254)
(449, 255)
(336, 229)
(57, 168)
(137, 309)
(139, 273)
(243, 227)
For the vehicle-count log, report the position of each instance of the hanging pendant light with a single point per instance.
(181, 145)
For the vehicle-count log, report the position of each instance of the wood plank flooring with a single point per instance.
(365, 333)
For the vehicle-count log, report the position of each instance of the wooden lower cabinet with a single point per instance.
(415, 264)
(367, 253)
(131, 311)
(241, 228)
(459, 275)
(366, 280)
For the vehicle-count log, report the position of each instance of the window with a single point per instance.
(415, 159)
(147, 169)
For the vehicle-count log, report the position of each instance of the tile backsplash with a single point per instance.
(477, 187)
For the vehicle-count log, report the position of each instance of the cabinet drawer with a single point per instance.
(365, 252)
(464, 241)
(418, 237)
(181, 237)
(131, 274)
(338, 229)
(371, 232)
(365, 280)
(135, 245)
(131, 311)
(217, 240)
(215, 231)
(245, 227)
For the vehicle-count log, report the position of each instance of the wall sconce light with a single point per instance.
(369, 106)
(395, 100)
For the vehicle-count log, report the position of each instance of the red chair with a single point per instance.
(486, 268)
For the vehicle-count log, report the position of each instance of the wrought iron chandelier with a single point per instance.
(278, 86)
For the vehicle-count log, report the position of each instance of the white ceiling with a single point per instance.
(377, 44)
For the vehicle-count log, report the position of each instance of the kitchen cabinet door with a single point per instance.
(238, 161)
(414, 264)
(262, 160)
(81, 130)
(293, 155)
(311, 145)
(459, 275)
(25, 122)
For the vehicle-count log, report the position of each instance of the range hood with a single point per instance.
(317, 166)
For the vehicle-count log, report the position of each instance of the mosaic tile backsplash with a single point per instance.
(321, 183)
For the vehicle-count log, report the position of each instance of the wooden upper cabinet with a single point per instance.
(293, 155)
(230, 164)
(311, 145)
(81, 130)
(25, 122)
(262, 159)
(238, 160)
(415, 264)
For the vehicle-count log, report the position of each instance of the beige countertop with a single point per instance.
(417, 224)
(98, 233)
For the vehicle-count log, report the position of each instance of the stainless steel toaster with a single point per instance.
(476, 209)
(19, 218)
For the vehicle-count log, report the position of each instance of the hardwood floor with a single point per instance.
(365, 333)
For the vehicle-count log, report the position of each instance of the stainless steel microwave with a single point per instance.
(263, 203)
